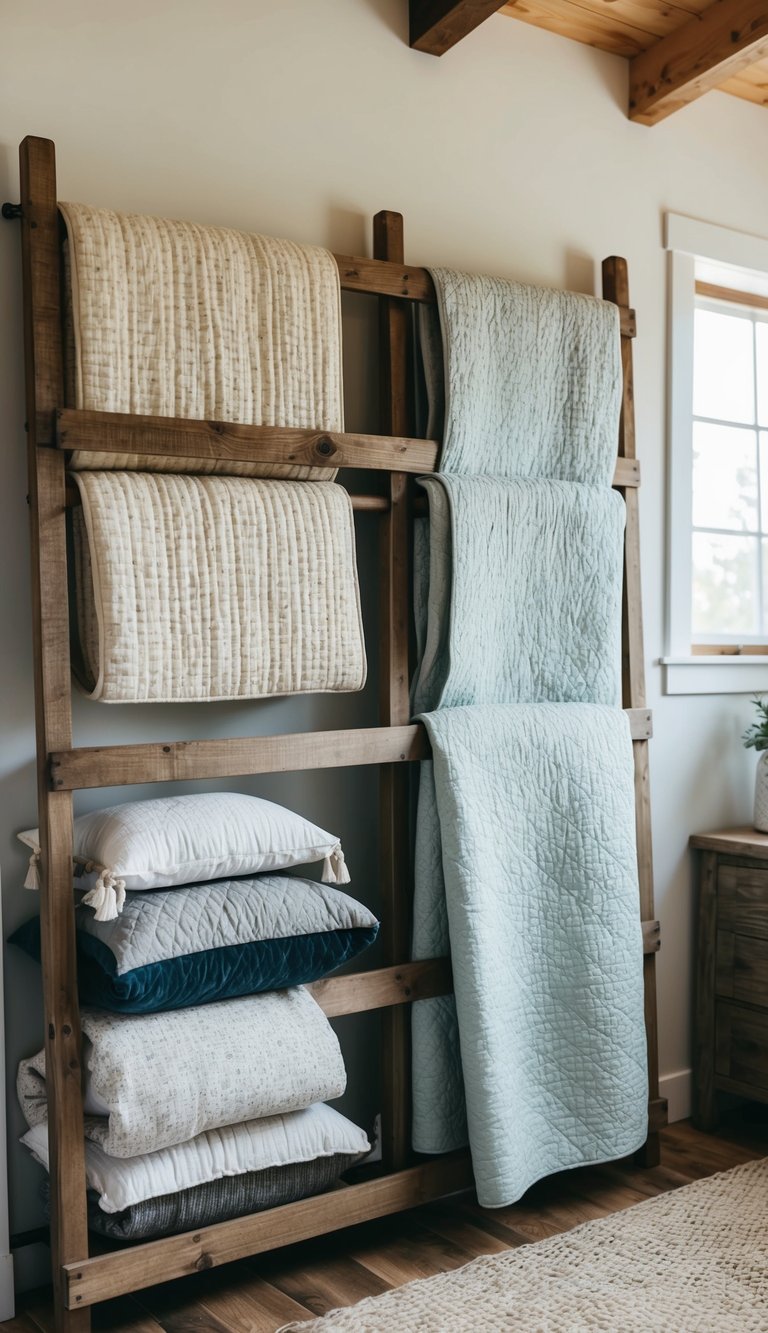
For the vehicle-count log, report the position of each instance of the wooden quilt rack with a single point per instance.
(80, 1280)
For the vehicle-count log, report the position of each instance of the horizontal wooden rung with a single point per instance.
(143, 1265)
(185, 761)
(180, 437)
(382, 987)
(188, 761)
(382, 277)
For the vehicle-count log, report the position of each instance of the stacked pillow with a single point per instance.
(189, 910)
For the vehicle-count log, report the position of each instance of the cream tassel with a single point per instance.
(106, 897)
(33, 874)
(335, 867)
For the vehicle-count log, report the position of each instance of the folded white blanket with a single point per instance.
(204, 588)
(233, 1150)
(174, 319)
(162, 1079)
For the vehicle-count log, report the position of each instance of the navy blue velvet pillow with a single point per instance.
(188, 946)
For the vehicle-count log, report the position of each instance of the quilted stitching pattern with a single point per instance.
(155, 926)
(212, 942)
(165, 1078)
(174, 319)
(255, 1145)
(204, 588)
(531, 379)
(537, 832)
(550, 552)
(525, 856)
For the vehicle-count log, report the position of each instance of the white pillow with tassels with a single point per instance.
(187, 840)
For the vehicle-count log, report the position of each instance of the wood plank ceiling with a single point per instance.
(677, 49)
(627, 27)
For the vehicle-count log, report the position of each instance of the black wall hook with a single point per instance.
(11, 212)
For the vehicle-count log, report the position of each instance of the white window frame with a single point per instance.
(687, 240)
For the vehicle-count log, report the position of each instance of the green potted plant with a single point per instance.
(756, 738)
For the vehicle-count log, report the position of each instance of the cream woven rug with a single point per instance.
(692, 1261)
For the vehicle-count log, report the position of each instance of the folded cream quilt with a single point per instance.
(204, 588)
(162, 1079)
(174, 319)
(521, 381)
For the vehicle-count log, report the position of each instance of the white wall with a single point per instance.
(512, 154)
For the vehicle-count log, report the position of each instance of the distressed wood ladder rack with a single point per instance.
(81, 1280)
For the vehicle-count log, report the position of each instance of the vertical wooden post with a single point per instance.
(53, 721)
(616, 288)
(394, 585)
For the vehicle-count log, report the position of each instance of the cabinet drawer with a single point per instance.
(742, 968)
(742, 899)
(741, 1045)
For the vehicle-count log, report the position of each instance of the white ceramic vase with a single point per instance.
(761, 793)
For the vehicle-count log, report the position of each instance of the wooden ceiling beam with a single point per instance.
(702, 54)
(437, 25)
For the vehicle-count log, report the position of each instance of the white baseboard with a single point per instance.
(678, 1090)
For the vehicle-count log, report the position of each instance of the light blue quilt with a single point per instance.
(521, 381)
(536, 815)
(525, 843)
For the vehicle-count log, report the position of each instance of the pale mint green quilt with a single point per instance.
(536, 814)
(525, 845)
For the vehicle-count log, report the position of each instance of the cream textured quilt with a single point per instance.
(205, 588)
(175, 319)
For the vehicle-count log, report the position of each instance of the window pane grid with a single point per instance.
(729, 537)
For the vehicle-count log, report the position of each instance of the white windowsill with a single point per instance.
(722, 673)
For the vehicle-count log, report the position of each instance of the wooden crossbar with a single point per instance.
(240, 756)
(174, 438)
(137, 1266)
(385, 277)
(119, 433)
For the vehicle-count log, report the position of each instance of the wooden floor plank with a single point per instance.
(444, 1221)
(259, 1294)
(253, 1307)
(411, 1254)
(327, 1284)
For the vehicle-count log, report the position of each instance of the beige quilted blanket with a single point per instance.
(203, 588)
(175, 319)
